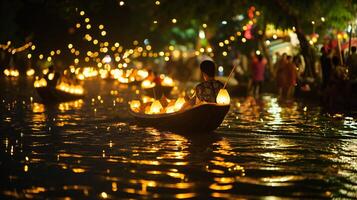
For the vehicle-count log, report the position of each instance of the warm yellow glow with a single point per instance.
(30, 72)
(155, 107)
(78, 170)
(73, 89)
(147, 84)
(143, 73)
(104, 195)
(146, 99)
(135, 105)
(179, 103)
(11, 72)
(51, 76)
(223, 97)
(167, 81)
(40, 83)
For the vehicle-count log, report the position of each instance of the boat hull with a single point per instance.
(53, 95)
(201, 118)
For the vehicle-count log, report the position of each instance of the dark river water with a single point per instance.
(92, 149)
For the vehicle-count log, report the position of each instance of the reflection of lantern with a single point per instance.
(179, 103)
(155, 107)
(167, 81)
(147, 84)
(135, 105)
(223, 97)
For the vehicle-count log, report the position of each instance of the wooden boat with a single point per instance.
(198, 119)
(53, 95)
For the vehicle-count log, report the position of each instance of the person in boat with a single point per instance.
(207, 90)
(52, 76)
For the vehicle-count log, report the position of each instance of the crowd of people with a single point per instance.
(339, 76)
(255, 72)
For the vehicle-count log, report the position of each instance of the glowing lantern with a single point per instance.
(147, 84)
(167, 81)
(170, 109)
(123, 80)
(40, 83)
(143, 74)
(135, 105)
(179, 103)
(147, 99)
(45, 71)
(155, 107)
(30, 72)
(51, 76)
(7, 72)
(223, 97)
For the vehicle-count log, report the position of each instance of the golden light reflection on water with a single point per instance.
(38, 108)
(78, 170)
(70, 105)
(216, 186)
(185, 195)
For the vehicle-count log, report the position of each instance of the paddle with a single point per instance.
(229, 76)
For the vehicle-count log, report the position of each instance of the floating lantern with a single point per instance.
(11, 72)
(40, 83)
(223, 97)
(147, 84)
(45, 71)
(155, 107)
(51, 76)
(143, 74)
(167, 81)
(135, 105)
(123, 80)
(7, 72)
(30, 72)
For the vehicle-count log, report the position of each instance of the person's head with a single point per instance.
(260, 57)
(353, 49)
(289, 58)
(208, 69)
(284, 56)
